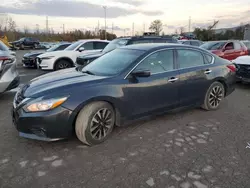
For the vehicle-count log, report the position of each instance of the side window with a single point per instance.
(189, 58)
(208, 59)
(195, 43)
(229, 45)
(158, 62)
(237, 46)
(142, 41)
(88, 46)
(100, 45)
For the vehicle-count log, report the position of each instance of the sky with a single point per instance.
(122, 14)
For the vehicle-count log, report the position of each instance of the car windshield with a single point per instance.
(73, 46)
(213, 45)
(113, 62)
(115, 44)
(247, 44)
(3, 47)
(21, 39)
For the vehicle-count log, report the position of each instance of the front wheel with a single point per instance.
(95, 122)
(62, 64)
(215, 94)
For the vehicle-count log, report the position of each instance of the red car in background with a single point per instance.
(229, 50)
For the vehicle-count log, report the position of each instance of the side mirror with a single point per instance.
(141, 73)
(81, 49)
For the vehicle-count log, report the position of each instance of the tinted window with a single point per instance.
(100, 45)
(164, 41)
(113, 62)
(88, 46)
(213, 45)
(237, 46)
(189, 58)
(115, 44)
(230, 44)
(158, 62)
(195, 43)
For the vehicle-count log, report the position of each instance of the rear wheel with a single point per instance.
(95, 122)
(215, 94)
(62, 64)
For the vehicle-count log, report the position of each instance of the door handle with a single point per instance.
(208, 71)
(173, 79)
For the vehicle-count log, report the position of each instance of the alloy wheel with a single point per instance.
(63, 65)
(101, 124)
(215, 96)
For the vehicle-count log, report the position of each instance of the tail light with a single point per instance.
(5, 61)
(232, 67)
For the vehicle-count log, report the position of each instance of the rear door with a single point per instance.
(195, 75)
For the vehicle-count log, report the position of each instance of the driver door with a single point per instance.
(156, 93)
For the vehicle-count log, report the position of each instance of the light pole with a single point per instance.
(105, 16)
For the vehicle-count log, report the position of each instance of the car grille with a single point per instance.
(81, 61)
(243, 71)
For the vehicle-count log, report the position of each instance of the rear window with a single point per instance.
(213, 45)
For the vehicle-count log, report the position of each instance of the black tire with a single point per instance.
(35, 46)
(62, 64)
(21, 47)
(215, 94)
(88, 127)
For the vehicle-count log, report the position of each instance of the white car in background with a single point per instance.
(65, 59)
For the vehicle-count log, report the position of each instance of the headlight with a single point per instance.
(44, 105)
(49, 57)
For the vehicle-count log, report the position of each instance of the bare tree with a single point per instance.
(176, 31)
(11, 24)
(156, 26)
(26, 29)
(182, 30)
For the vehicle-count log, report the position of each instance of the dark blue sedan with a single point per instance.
(128, 83)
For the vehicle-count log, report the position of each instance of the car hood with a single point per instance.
(92, 55)
(242, 60)
(30, 54)
(58, 82)
(56, 53)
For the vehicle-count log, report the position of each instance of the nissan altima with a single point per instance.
(128, 83)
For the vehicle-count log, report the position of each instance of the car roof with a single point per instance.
(92, 40)
(155, 46)
(145, 37)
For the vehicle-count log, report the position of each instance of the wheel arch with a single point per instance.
(109, 100)
(222, 80)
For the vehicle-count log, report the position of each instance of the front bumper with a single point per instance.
(29, 62)
(45, 64)
(52, 125)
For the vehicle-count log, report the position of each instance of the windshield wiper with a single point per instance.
(88, 72)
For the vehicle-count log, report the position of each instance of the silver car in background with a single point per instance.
(9, 78)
